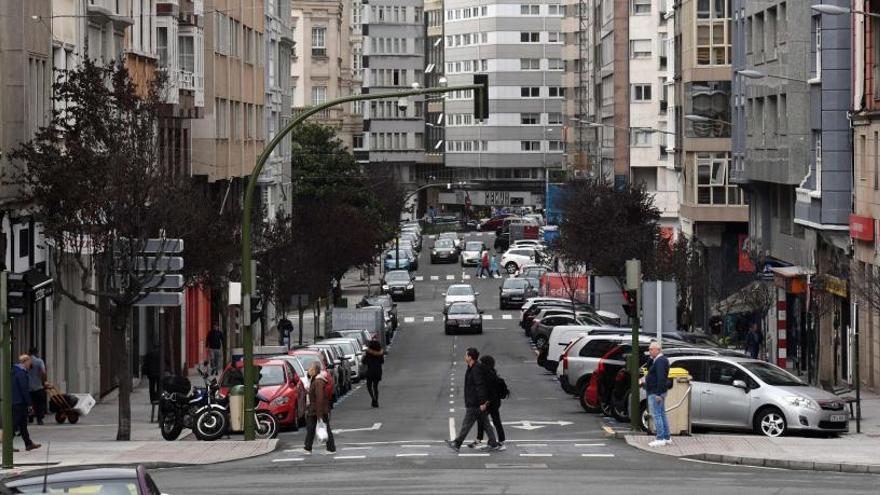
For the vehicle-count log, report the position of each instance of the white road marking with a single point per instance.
(452, 402)
(413, 454)
(429, 319)
(488, 317)
(356, 448)
(506, 317)
(375, 426)
(290, 459)
(597, 455)
(589, 445)
(350, 457)
(420, 278)
(461, 454)
(415, 446)
(465, 277)
(533, 445)
(396, 442)
(516, 466)
(546, 454)
(435, 277)
(409, 319)
(450, 277)
(452, 428)
(452, 410)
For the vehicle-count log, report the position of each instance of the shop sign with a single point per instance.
(836, 285)
(861, 228)
(497, 198)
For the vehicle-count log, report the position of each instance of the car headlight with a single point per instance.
(410, 286)
(280, 401)
(803, 402)
(434, 252)
(384, 287)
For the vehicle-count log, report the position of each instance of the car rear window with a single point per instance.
(597, 348)
(84, 486)
(514, 283)
(271, 375)
(473, 246)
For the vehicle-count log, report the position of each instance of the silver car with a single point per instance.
(743, 393)
(471, 252)
(353, 353)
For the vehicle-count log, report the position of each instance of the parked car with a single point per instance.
(399, 284)
(532, 243)
(461, 317)
(535, 309)
(492, 224)
(353, 353)
(279, 383)
(308, 357)
(363, 336)
(471, 252)
(512, 259)
(414, 239)
(543, 326)
(444, 250)
(412, 256)
(386, 302)
(395, 260)
(453, 236)
(299, 366)
(128, 480)
(747, 394)
(336, 356)
(460, 293)
(532, 271)
(513, 292)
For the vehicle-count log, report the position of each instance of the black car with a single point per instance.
(513, 292)
(462, 317)
(386, 302)
(444, 251)
(399, 285)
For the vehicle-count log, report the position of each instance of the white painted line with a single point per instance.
(452, 396)
(533, 445)
(350, 457)
(452, 428)
(409, 319)
(465, 277)
(435, 277)
(356, 448)
(452, 410)
(506, 317)
(486, 454)
(549, 440)
(413, 454)
(516, 466)
(546, 454)
(415, 446)
(397, 442)
(450, 277)
(597, 455)
(429, 319)
(420, 278)
(488, 317)
(452, 402)
(589, 445)
(291, 459)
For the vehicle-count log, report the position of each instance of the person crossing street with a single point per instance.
(476, 402)
(373, 360)
(317, 409)
(497, 392)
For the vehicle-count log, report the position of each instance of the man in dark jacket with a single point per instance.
(656, 387)
(21, 400)
(476, 403)
(214, 343)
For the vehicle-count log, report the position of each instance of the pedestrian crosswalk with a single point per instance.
(431, 318)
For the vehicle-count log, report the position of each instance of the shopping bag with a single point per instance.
(321, 431)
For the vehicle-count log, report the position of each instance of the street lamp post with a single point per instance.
(246, 249)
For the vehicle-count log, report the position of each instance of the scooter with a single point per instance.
(212, 422)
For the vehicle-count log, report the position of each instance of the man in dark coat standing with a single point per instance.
(476, 403)
(21, 400)
(318, 408)
(656, 387)
(214, 343)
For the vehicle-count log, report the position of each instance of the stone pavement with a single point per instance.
(92, 441)
(855, 453)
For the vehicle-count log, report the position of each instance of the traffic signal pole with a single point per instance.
(481, 95)
(633, 283)
(6, 373)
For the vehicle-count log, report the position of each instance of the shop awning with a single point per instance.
(791, 271)
(745, 300)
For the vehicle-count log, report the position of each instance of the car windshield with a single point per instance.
(462, 309)
(379, 300)
(397, 277)
(773, 375)
(390, 255)
(473, 246)
(346, 347)
(515, 283)
(82, 486)
(443, 243)
(448, 235)
(460, 290)
(271, 375)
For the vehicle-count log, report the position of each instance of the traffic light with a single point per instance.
(481, 97)
(16, 287)
(630, 303)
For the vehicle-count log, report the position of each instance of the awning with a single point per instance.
(745, 300)
(791, 271)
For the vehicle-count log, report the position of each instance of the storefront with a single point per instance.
(793, 349)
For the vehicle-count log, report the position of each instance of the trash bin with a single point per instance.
(678, 402)
(236, 408)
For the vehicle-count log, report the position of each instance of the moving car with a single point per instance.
(492, 224)
(127, 480)
(453, 236)
(747, 394)
(399, 284)
(471, 252)
(386, 302)
(460, 293)
(512, 259)
(279, 383)
(513, 292)
(462, 317)
(393, 261)
(444, 250)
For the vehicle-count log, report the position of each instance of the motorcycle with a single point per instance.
(212, 421)
(181, 405)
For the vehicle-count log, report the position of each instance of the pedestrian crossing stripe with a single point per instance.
(429, 319)
(409, 319)
(435, 277)
(465, 277)
(487, 317)
(450, 277)
(506, 317)
(420, 278)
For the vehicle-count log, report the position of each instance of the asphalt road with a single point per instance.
(552, 445)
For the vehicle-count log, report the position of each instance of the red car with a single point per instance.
(308, 356)
(279, 383)
(493, 223)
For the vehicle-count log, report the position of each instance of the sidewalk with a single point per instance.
(850, 453)
(92, 441)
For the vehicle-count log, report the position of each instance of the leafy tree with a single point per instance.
(92, 179)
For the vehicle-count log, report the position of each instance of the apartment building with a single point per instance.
(863, 223)
(227, 141)
(324, 63)
(618, 75)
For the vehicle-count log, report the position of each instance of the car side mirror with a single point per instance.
(476, 293)
(741, 384)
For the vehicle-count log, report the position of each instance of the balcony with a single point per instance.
(667, 202)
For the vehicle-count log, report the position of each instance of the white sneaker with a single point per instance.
(668, 441)
(657, 443)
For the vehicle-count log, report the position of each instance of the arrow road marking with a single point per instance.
(375, 426)
(534, 425)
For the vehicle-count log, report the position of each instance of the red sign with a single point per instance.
(745, 259)
(861, 228)
(564, 286)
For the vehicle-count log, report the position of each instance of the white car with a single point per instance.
(471, 252)
(515, 257)
(532, 243)
(460, 293)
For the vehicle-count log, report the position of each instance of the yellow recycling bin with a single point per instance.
(678, 403)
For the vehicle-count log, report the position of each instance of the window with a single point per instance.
(319, 40)
(557, 92)
(529, 37)
(530, 145)
(558, 10)
(641, 92)
(319, 95)
(721, 373)
(640, 7)
(641, 137)
(484, 11)
(554, 37)
(529, 118)
(695, 367)
(530, 10)
(710, 99)
(817, 47)
(713, 181)
(186, 57)
(554, 118)
(162, 45)
(713, 36)
(530, 92)
(555, 146)
(640, 49)
(817, 141)
(555, 64)
(876, 160)
(597, 348)
(530, 64)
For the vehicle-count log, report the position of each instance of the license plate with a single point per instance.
(464, 325)
(836, 418)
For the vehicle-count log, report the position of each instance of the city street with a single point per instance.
(552, 445)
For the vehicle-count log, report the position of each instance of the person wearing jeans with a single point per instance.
(476, 403)
(656, 387)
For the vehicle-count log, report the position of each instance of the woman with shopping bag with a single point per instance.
(318, 411)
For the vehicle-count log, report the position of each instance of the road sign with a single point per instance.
(161, 299)
(162, 264)
(168, 282)
(375, 426)
(166, 246)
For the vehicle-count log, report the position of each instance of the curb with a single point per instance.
(787, 464)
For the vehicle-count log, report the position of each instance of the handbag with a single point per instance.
(321, 431)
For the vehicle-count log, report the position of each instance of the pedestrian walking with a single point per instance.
(484, 263)
(150, 369)
(214, 343)
(476, 403)
(753, 341)
(37, 379)
(285, 328)
(21, 400)
(497, 392)
(373, 360)
(493, 266)
(317, 409)
(656, 385)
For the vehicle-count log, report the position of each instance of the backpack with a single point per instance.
(501, 390)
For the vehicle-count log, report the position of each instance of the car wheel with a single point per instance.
(770, 422)
(511, 268)
(582, 397)
(643, 409)
(619, 410)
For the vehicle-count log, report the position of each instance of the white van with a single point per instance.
(563, 334)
